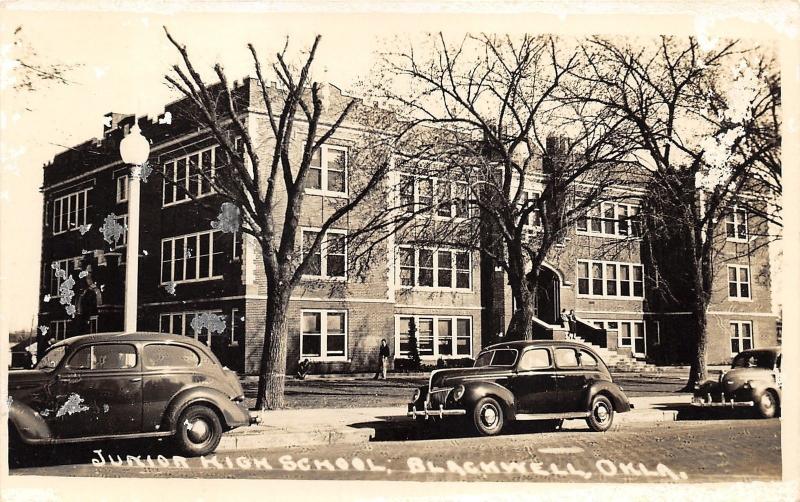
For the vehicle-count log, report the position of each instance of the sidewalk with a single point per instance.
(301, 427)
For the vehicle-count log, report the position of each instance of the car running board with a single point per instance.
(551, 416)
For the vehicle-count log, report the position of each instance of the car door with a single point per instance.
(168, 368)
(99, 392)
(534, 383)
(571, 380)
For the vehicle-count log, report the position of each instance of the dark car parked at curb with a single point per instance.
(542, 380)
(754, 381)
(125, 386)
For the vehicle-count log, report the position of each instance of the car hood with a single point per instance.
(25, 380)
(739, 376)
(451, 377)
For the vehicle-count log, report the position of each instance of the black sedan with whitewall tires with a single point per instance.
(544, 380)
(754, 381)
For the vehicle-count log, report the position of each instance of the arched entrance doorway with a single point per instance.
(547, 297)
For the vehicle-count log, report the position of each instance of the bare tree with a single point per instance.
(497, 117)
(706, 124)
(266, 175)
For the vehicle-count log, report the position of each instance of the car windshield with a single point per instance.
(51, 359)
(755, 359)
(500, 357)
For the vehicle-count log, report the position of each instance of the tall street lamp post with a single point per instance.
(134, 150)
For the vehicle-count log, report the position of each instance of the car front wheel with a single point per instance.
(487, 416)
(601, 414)
(768, 405)
(198, 431)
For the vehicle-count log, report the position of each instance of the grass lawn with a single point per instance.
(364, 392)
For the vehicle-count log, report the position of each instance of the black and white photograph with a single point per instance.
(351, 251)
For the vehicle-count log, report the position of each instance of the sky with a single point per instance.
(119, 60)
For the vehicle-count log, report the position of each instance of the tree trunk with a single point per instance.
(519, 328)
(272, 373)
(698, 373)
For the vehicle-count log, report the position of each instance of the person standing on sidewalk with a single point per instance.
(383, 360)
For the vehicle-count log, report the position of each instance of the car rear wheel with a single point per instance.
(768, 405)
(487, 416)
(601, 414)
(198, 431)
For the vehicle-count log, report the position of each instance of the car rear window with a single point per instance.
(162, 355)
(587, 359)
(109, 356)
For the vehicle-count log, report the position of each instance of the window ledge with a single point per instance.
(327, 193)
(323, 359)
(190, 281)
(603, 297)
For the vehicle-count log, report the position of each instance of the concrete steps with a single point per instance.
(620, 363)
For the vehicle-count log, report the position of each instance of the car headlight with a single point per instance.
(417, 394)
(458, 392)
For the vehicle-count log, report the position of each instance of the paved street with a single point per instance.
(694, 451)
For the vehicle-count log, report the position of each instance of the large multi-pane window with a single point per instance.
(445, 198)
(327, 171)
(629, 334)
(612, 279)
(70, 211)
(192, 257)
(736, 225)
(741, 336)
(739, 282)
(180, 323)
(613, 219)
(330, 260)
(68, 265)
(190, 174)
(434, 268)
(437, 336)
(323, 334)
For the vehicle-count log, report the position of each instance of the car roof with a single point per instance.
(139, 336)
(776, 349)
(521, 344)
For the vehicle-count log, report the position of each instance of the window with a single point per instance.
(122, 188)
(447, 198)
(122, 219)
(330, 260)
(504, 357)
(93, 324)
(736, 225)
(612, 279)
(68, 265)
(104, 357)
(566, 358)
(190, 174)
(327, 171)
(58, 329)
(586, 359)
(437, 336)
(162, 355)
(741, 336)
(533, 218)
(611, 219)
(70, 211)
(630, 334)
(180, 323)
(535, 359)
(441, 268)
(193, 257)
(323, 334)
(738, 282)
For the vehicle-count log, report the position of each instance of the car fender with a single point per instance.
(231, 415)
(759, 388)
(475, 391)
(30, 425)
(618, 398)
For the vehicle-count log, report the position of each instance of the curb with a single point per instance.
(395, 429)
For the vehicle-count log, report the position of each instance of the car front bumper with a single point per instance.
(440, 412)
(720, 401)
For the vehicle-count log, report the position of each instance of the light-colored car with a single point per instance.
(754, 381)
